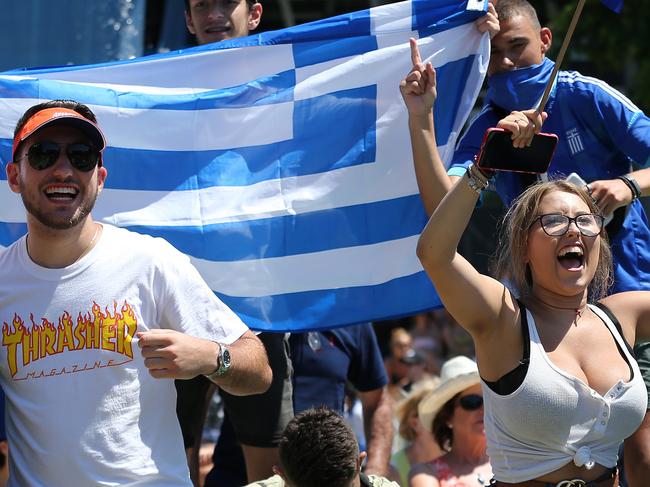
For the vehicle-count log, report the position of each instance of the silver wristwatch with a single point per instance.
(223, 363)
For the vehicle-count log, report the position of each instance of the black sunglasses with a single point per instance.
(83, 157)
(470, 402)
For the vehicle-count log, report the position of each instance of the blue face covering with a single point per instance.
(519, 89)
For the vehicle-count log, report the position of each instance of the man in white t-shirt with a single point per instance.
(96, 320)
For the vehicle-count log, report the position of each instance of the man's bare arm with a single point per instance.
(174, 355)
(378, 425)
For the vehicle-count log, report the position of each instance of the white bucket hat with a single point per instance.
(457, 374)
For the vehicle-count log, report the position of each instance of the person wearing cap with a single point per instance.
(96, 320)
(453, 412)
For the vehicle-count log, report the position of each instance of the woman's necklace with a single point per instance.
(578, 311)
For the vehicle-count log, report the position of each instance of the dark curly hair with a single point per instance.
(318, 449)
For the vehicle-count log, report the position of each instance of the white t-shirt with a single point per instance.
(82, 409)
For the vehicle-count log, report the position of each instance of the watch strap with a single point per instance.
(223, 362)
(632, 184)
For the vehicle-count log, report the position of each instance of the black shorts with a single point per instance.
(260, 419)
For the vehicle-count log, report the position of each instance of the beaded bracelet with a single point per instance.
(632, 184)
(476, 180)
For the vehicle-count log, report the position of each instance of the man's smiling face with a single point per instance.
(60, 196)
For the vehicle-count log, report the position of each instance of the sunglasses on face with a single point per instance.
(556, 224)
(83, 157)
(470, 402)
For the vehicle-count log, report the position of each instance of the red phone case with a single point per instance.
(497, 152)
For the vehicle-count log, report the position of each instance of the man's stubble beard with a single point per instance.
(77, 217)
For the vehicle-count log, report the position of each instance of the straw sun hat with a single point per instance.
(457, 374)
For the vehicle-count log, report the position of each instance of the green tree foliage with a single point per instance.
(612, 47)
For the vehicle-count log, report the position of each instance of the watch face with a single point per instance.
(226, 358)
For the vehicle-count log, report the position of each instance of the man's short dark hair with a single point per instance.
(507, 9)
(319, 449)
(249, 2)
(80, 108)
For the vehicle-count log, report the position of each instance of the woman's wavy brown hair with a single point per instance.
(510, 260)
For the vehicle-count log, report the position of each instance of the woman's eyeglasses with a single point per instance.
(470, 402)
(42, 155)
(556, 224)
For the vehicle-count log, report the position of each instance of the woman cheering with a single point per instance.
(561, 387)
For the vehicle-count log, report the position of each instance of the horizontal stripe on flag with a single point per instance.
(194, 130)
(261, 91)
(297, 234)
(195, 68)
(334, 307)
(328, 269)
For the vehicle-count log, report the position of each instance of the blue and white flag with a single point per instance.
(280, 163)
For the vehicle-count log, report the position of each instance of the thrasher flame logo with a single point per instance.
(93, 330)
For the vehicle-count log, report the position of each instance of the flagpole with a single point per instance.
(560, 57)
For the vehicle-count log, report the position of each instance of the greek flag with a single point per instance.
(280, 162)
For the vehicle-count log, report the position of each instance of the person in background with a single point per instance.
(325, 361)
(420, 447)
(218, 20)
(318, 449)
(453, 412)
(258, 420)
(399, 361)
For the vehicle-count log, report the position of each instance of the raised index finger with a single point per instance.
(415, 52)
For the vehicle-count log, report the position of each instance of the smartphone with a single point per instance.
(578, 181)
(498, 153)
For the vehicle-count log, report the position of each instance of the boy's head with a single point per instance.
(318, 449)
(218, 20)
(522, 41)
